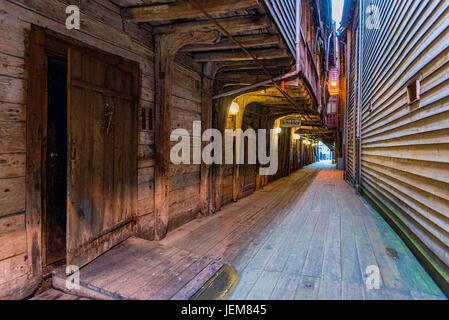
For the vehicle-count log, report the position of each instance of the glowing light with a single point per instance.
(296, 137)
(333, 84)
(234, 109)
(278, 130)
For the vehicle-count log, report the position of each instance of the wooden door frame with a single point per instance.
(45, 43)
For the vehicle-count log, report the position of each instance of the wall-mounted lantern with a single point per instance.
(234, 109)
(277, 130)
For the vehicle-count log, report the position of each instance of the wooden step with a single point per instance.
(138, 269)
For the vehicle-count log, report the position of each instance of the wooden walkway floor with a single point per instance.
(307, 236)
(53, 294)
(139, 269)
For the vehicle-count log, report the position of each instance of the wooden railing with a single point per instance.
(331, 120)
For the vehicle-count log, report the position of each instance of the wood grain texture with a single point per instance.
(306, 236)
(20, 132)
(138, 269)
(167, 47)
(102, 192)
(184, 10)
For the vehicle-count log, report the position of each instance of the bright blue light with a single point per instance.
(337, 11)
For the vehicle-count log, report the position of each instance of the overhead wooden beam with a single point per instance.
(243, 78)
(184, 10)
(275, 100)
(313, 130)
(232, 25)
(247, 41)
(239, 55)
(271, 100)
(286, 63)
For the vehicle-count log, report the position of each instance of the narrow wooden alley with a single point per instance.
(224, 149)
(306, 236)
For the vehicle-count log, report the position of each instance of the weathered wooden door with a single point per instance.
(102, 174)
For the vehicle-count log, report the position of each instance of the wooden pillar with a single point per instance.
(167, 45)
(290, 146)
(35, 124)
(262, 125)
(221, 109)
(237, 187)
(295, 155)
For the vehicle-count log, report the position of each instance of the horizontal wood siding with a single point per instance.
(352, 109)
(405, 147)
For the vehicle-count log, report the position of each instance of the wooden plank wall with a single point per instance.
(184, 195)
(101, 27)
(405, 147)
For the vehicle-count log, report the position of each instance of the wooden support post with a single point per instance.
(221, 107)
(166, 47)
(35, 124)
(236, 183)
(262, 125)
(295, 155)
(237, 187)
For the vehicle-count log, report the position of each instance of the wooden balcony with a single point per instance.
(331, 120)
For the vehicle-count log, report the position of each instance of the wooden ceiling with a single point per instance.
(246, 20)
(249, 22)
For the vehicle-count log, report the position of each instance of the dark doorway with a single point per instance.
(56, 164)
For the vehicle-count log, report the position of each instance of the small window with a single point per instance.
(147, 119)
(144, 119)
(150, 120)
(414, 92)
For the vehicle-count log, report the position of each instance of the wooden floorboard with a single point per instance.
(138, 269)
(334, 238)
(306, 236)
(54, 294)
